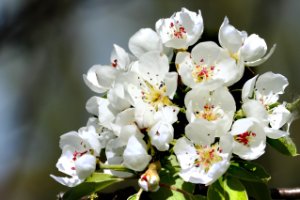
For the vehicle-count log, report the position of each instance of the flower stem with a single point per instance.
(114, 167)
(293, 106)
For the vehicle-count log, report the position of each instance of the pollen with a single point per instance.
(202, 72)
(156, 96)
(209, 112)
(207, 156)
(245, 138)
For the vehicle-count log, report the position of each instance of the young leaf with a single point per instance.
(258, 191)
(284, 145)
(227, 188)
(95, 183)
(248, 171)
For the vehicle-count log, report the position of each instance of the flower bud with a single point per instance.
(149, 181)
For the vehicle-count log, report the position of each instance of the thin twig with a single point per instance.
(285, 193)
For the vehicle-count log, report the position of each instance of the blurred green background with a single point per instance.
(46, 46)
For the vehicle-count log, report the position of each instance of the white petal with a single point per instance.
(100, 78)
(248, 88)
(185, 152)
(229, 37)
(201, 132)
(117, 97)
(143, 41)
(256, 109)
(253, 48)
(271, 84)
(161, 135)
(85, 166)
(90, 136)
(70, 139)
(262, 60)
(153, 66)
(92, 105)
(171, 83)
(207, 51)
(167, 114)
(144, 115)
(185, 68)
(119, 58)
(279, 116)
(135, 155)
(275, 133)
(67, 181)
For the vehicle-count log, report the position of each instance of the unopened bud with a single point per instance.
(149, 181)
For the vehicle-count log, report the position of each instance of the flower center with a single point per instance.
(245, 138)
(156, 96)
(209, 112)
(202, 72)
(207, 156)
(178, 31)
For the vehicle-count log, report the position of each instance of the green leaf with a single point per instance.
(96, 182)
(284, 145)
(258, 191)
(227, 188)
(132, 197)
(248, 171)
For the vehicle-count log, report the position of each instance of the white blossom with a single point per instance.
(249, 49)
(260, 95)
(249, 138)
(207, 64)
(78, 159)
(214, 106)
(203, 164)
(181, 30)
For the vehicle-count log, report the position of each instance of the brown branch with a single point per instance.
(285, 193)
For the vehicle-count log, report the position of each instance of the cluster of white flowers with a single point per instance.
(136, 107)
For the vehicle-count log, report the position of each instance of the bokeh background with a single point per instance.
(46, 46)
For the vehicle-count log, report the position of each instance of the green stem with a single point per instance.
(239, 114)
(115, 167)
(293, 106)
(138, 195)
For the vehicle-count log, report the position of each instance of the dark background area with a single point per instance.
(46, 46)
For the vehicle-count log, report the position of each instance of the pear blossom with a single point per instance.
(153, 84)
(260, 96)
(247, 50)
(138, 46)
(78, 159)
(249, 138)
(100, 78)
(203, 163)
(135, 154)
(181, 30)
(213, 106)
(207, 64)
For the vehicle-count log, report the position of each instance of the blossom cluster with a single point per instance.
(167, 72)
